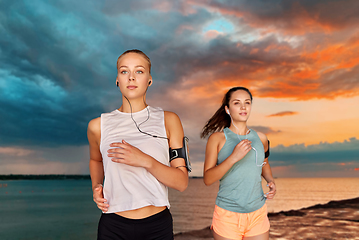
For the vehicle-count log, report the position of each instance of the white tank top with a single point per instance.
(127, 187)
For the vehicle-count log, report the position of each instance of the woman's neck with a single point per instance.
(133, 105)
(239, 127)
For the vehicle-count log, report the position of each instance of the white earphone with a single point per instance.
(255, 150)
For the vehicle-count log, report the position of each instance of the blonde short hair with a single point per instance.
(138, 52)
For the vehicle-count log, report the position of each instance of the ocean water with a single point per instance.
(193, 208)
(63, 209)
(47, 209)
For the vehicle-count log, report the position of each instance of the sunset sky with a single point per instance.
(300, 59)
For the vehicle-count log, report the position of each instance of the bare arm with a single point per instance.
(175, 176)
(266, 170)
(213, 172)
(96, 166)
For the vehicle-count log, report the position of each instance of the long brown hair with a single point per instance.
(221, 119)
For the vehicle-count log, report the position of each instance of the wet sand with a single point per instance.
(334, 220)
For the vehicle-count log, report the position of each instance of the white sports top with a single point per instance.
(127, 187)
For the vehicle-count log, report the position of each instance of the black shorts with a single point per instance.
(158, 226)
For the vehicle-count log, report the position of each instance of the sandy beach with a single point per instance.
(334, 220)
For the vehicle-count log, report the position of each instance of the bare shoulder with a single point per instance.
(171, 116)
(217, 138)
(94, 126)
(172, 120)
(216, 141)
(263, 139)
(262, 136)
(174, 129)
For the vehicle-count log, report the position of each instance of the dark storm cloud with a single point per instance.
(39, 55)
(57, 61)
(302, 16)
(27, 121)
(58, 64)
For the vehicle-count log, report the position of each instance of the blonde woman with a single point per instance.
(129, 155)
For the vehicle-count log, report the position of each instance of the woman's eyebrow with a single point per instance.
(135, 66)
(240, 100)
(139, 66)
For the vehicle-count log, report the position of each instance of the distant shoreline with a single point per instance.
(44, 177)
(49, 177)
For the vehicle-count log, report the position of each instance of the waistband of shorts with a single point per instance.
(151, 218)
(263, 208)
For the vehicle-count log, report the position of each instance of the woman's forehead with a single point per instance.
(240, 94)
(133, 58)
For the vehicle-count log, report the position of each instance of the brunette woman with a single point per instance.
(238, 156)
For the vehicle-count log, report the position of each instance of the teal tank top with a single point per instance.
(240, 189)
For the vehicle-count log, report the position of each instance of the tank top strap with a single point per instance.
(225, 131)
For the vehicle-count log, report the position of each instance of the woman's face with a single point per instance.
(240, 105)
(133, 75)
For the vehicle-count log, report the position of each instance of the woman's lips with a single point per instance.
(243, 114)
(131, 87)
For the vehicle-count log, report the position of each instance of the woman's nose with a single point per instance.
(131, 77)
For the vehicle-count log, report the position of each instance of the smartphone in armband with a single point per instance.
(182, 153)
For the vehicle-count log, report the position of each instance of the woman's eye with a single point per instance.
(248, 103)
(139, 71)
(123, 72)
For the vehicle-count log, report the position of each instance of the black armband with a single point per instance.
(266, 154)
(182, 153)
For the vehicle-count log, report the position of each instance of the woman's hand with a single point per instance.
(241, 149)
(98, 198)
(128, 154)
(272, 190)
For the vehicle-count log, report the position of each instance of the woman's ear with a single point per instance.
(227, 110)
(150, 81)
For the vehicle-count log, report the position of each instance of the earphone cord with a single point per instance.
(238, 129)
(261, 165)
(148, 117)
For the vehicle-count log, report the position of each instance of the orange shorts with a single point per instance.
(234, 225)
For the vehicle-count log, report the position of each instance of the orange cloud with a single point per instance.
(286, 61)
(326, 71)
(284, 113)
(338, 56)
(322, 73)
(356, 169)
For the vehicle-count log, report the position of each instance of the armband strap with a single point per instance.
(181, 153)
(267, 152)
